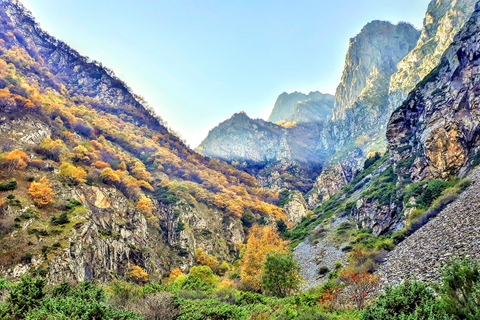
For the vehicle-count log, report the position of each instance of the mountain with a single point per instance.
(372, 57)
(442, 22)
(435, 131)
(92, 182)
(272, 152)
(326, 136)
(299, 107)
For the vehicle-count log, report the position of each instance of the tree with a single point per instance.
(75, 174)
(110, 176)
(41, 193)
(359, 285)
(460, 289)
(206, 259)
(145, 205)
(262, 241)
(24, 297)
(16, 159)
(281, 276)
(137, 274)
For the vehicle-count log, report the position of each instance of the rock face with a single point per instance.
(277, 155)
(296, 207)
(452, 234)
(372, 57)
(111, 235)
(435, 132)
(299, 107)
(442, 22)
(241, 138)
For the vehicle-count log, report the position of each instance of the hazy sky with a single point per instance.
(199, 61)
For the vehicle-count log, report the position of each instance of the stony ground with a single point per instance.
(455, 232)
(311, 256)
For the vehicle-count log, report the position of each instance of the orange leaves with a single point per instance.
(145, 205)
(206, 259)
(16, 159)
(137, 274)
(100, 165)
(262, 241)
(74, 174)
(41, 193)
(110, 176)
(176, 272)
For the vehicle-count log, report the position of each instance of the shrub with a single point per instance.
(8, 186)
(460, 289)
(41, 193)
(74, 174)
(203, 273)
(323, 270)
(410, 300)
(281, 276)
(62, 219)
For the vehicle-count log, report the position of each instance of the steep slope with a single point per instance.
(91, 180)
(452, 234)
(373, 54)
(299, 107)
(434, 133)
(442, 22)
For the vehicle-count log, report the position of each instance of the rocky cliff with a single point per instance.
(372, 57)
(434, 133)
(442, 22)
(299, 107)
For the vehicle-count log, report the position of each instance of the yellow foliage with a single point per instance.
(41, 193)
(137, 274)
(145, 205)
(225, 283)
(109, 175)
(145, 184)
(73, 173)
(262, 241)
(206, 259)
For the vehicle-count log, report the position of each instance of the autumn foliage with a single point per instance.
(137, 274)
(15, 160)
(359, 286)
(262, 241)
(206, 259)
(145, 205)
(72, 173)
(41, 193)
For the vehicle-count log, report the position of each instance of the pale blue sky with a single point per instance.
(199, 61)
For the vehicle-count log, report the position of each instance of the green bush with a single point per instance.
(29, 300)
(281, 275)
(62, 219)
(410, 300)
(8, 186)
(460, 289)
